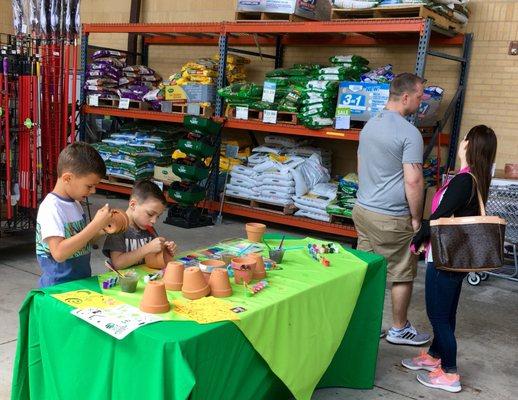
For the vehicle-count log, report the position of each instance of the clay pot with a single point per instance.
(243, 268)
(255, 231)
(173, 276)
(154, 299)
(511, 171)
(219, 283)
(194, 284)
(129, 281)
(158, 260)
(208, 266)
(276, 255)
(259, 270)
(119, 222)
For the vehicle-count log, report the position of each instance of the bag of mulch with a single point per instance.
(108, 53)
(139, 69)
(349, 59)
(116, 62)
(313, 215)
(107, 82)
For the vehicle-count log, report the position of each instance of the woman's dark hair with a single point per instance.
(480, 155)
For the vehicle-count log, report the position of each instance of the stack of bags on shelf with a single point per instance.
(205, 71)
(346, 196)
(318, 104)
(314, 203)
(379, 75)
(235, 69)
(355, 4)
(104, 73)
(282, 171)
(242, 94)
(133, 152)
(140, 83)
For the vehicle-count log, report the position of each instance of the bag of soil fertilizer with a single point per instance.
(350, 59)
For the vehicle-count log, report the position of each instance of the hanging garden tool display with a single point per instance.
(37, 114)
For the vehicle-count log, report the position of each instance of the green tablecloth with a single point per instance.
(59, 356)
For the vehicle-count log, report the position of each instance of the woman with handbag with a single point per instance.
(462, 196)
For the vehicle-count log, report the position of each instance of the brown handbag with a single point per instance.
(468, 244)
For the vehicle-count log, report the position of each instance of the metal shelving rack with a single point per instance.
(279, 34)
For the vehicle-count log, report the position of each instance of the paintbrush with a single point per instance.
(110, 266)
(282, 241)
(267, 245)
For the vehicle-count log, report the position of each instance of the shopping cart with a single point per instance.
(503, 202)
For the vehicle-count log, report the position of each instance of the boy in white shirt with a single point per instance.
(62, 235)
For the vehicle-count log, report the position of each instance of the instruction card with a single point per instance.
(118, 321)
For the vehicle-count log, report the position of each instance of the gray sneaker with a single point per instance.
(438, 379)
(407, 336)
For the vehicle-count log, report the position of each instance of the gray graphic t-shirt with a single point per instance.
(127, 241)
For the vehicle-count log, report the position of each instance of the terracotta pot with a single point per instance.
(209, 266)
(119, 222)
(194, 284)
(259, 270)
(219, 283)
(511, 171)
(173, 276)
(129, 281)
(255, 231)
(158, 260)
(243, 268)
(154, 299)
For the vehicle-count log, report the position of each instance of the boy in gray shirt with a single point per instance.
(390, 197)
(146, 204)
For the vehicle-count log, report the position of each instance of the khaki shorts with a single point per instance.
(390, 237)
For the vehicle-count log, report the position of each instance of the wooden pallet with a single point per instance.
(133, 104)
(181, 108)
(261, 205)
(287, 118)
(266, 16)
(441, 20)
(253, 115)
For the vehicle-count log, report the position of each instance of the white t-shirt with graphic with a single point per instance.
(61, 217)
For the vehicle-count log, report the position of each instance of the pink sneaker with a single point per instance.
(422, 361)
(440, 380)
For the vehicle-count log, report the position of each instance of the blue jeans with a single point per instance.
(442, 297)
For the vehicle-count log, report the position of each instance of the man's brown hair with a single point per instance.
(404, 83)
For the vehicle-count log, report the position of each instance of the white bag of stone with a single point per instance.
(242, 182)
(279, 182)
(281, 201)
(313, 210)
(251, 180)
(240, 169)
(318, 217)
(313, 171)
(240, 191)
(280, 189)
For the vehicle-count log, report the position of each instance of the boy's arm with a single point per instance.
(122, 260)
(62, 249)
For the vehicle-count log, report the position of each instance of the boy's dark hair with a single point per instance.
(81, 159)
(404, 83)
(146, 189)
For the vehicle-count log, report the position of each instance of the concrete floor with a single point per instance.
(487, 324)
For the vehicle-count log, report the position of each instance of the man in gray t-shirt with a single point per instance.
(390, 196)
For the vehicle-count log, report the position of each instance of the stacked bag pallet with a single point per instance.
(345, 197)
(280, 172)
(104, 73)
(133, 152)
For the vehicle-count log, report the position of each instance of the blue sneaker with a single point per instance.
(407, 335)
